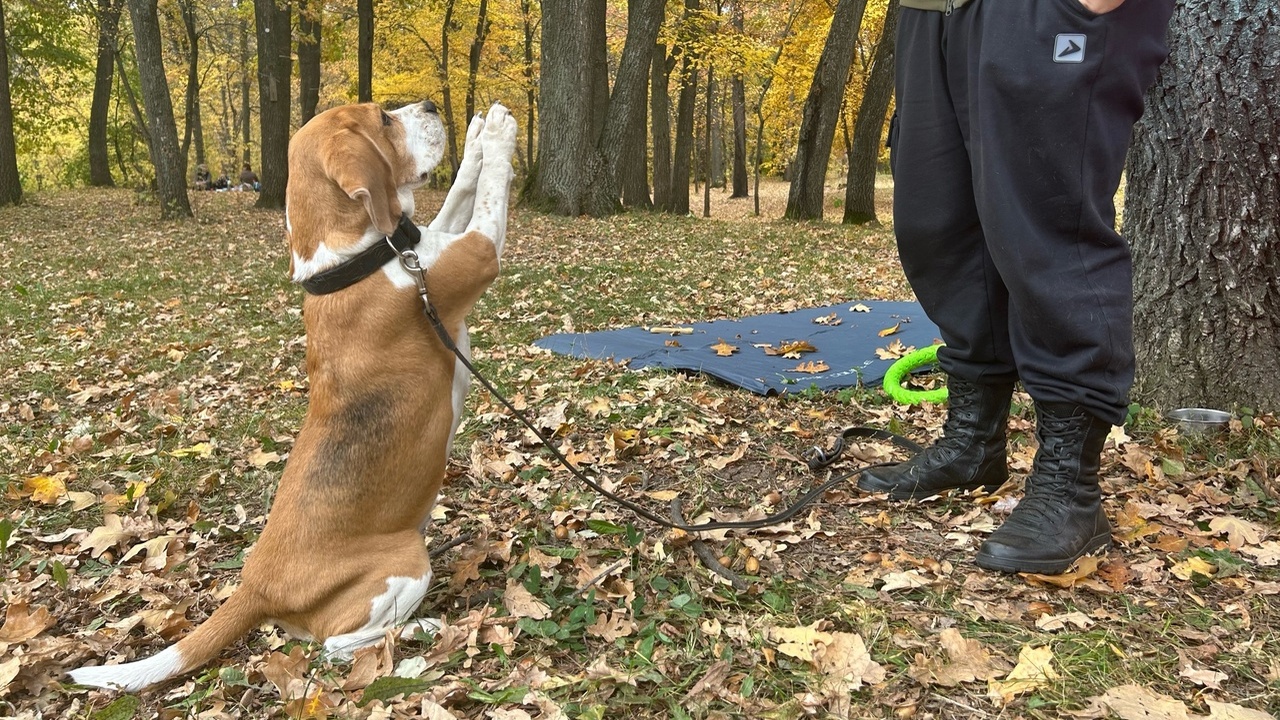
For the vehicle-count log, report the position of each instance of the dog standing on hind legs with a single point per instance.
(342, 556)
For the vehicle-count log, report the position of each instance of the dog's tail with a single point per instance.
(235, 617)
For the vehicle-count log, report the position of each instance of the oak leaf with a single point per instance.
(106, 536)
(966, 661)
(724, 349)
(21, 623)
(1033, 671)
(1239, 532)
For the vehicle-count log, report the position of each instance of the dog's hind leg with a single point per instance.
(386, 611)
(455, 213)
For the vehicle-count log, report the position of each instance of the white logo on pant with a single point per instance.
(1069, 48)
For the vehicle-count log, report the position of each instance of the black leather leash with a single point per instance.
(818, 458)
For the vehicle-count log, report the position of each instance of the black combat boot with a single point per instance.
(970, 454)
(1060, 517)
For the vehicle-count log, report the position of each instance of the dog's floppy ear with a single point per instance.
(356, 163)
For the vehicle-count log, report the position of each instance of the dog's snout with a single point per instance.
(429, 106)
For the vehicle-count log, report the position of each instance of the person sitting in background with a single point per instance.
(204, 179)
(249, 179)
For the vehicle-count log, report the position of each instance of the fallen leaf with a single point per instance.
(1134, 702)
(860, 308)
(847, 666)
(831, 320)
(886, 332)
(8, 671)
(612, 626)
(521, 603)
(1266, 555)
(1239, 532)
(1211, 679)
(1083, 568)
(1054, 623)
(894, 350)
(1231, 711)
(44, 489)
(720, 463)
(106, 536)
(260, 459)
(288, 672)
(724, 349)
(1192, 566)
(21, 623)
(711, 683)
(201, 450)
(967, 661)
(1033, 671)
(813, 367)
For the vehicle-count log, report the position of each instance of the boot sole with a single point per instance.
(922, 494)
(1042, 567)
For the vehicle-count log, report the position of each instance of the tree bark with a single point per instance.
(660, 102)
(166, 157)
(681, 164)
(246, 131)
(191, 126)
(708, 157)
(275, 65)
(473, 56)
(310, 25)
(364, 51)
(10, 183)
(868, 131)
(108, 16)
(738, 102)
(531, 88)
(446, 99)
(1201, 206)
(580, 140)
(822, 113)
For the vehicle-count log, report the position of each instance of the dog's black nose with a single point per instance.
(429, 106)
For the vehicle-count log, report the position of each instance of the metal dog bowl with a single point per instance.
(1199, 421)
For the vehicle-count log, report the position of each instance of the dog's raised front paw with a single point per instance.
(499, 134)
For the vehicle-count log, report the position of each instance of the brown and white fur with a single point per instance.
(342, 556)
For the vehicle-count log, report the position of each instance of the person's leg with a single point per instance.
(1055, 91)
(943, 252)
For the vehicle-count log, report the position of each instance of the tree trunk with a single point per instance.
(660, 102)
(275, 65)
(738, 102)
(310, 24)
(1201, 205)
(191, 126)
(531, 88)
(864, 150)
(446, 93)
(581, 138)
(681, 164)
(634, 169)
(822, 112)
(473, 56)
(364, 51)
(108, 16)
(246, 132)
(166, 157)
(708, 157)
(10, 183)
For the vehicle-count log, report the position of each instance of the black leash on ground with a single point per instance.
(817, 460)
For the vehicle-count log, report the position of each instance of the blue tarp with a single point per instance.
(847, 348)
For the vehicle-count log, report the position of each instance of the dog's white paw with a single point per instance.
(499, 134)
(473, 150)
(427, 626)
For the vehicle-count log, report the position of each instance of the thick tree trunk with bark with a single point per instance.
(1201, 209)
(868, 131)
(310, 25)
(10, 183)
(581, 140)
(108, 16)
(364, 51)
(822, 113)
(275, 66)
(660, 110)
(166, 156)
(633, 173)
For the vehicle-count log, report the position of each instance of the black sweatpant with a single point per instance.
(1014, 117)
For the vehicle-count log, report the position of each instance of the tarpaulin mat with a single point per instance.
(845, 338)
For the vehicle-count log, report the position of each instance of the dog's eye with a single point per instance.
(386, 119)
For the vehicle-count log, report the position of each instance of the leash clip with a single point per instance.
(409, 261)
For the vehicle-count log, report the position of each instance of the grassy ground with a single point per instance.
(151, 382)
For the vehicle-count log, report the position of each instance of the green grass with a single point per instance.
(126, 342)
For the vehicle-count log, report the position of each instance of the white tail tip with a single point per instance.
(132, 676)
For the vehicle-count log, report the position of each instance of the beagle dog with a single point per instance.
(342, 557)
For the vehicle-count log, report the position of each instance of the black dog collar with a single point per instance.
(366, 263)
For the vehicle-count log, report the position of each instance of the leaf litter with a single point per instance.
(151, 390)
